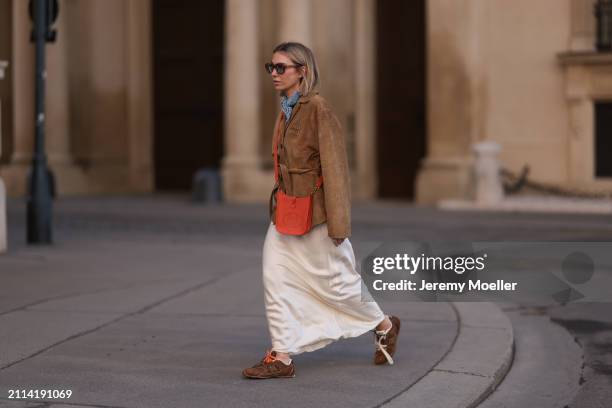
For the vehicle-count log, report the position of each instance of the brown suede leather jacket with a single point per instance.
(311, 144)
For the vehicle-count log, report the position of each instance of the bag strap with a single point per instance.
(276, 165)
(318, 185)
(275, 143)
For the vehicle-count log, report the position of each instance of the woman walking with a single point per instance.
(312, 290)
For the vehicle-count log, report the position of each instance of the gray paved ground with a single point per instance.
(155, 302)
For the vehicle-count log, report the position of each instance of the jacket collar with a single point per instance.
(303, 99)
(307, 97)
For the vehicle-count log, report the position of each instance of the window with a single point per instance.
(603, 139)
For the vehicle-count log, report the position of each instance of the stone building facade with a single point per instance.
(141, 93)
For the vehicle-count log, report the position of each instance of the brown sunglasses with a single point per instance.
(280, 67)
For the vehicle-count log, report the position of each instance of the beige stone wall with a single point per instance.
(97, 64)
(98, 131)
(494, 75)
(582, 26)
(456, 92)
(526, 109)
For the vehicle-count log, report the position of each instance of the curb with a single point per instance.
(476, 363)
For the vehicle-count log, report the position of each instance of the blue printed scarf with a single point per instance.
(287, 104)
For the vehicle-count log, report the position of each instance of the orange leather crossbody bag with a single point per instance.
(293, 214)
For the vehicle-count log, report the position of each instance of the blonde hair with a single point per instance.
(300, 54)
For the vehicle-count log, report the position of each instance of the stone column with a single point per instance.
(243, 177)
(3, 240)
(140, 98)
(334, 47)
(3, 66)
(99, 95)
(365, 106)
(295, 21)
(57, 104)
(23, 88)
(456, 97)
(14, 172)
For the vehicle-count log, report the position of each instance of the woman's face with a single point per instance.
(289, 81)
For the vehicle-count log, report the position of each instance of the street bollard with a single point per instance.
(207, 186)
(489, 189)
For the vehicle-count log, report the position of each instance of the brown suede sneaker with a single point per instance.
(270, 367)
(386, 342)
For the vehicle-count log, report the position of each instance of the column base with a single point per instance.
(73, 179)
(244, 181)
(444, 178)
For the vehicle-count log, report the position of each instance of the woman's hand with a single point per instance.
(337, 241)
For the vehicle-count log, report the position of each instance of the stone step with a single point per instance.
(546, 368)
(478, 360)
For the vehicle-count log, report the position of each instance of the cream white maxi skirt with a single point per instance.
(313, 292)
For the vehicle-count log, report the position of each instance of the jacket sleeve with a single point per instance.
(334, 165)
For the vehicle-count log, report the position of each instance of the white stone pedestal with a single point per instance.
(489, 193)
(489, 188)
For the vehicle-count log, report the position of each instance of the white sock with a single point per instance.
(385, 331)
(285, 360)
